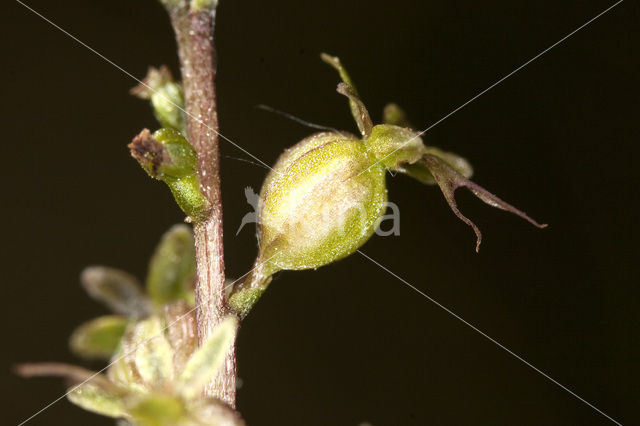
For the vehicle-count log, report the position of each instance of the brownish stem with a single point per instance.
(194, 34)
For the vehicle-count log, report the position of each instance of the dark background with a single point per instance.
(350, 343)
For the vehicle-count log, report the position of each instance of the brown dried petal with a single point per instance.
(448, 179)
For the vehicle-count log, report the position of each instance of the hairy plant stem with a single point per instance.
(194, 34)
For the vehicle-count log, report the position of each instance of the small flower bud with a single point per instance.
(167, 156)
(166, 97)
(393, 145)
(393, 114)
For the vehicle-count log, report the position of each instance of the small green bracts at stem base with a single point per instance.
(157, 376)
(167, 156)
(170, 282)
(325, 195)
(157, 372)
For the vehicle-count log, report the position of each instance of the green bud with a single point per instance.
(167, 156)
(393, 146)
(166, 97)
(393, 114)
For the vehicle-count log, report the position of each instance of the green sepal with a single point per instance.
(166, 97)
(153, 356)
(393, 114)
(420, 171)
(347, 88)
(173, 267)
(98, 338)
(393, 146)
(104, 400)
(334, 61)
(157, 410)
(167, 156)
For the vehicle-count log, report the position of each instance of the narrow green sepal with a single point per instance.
(98, 338)
(95, 398)
(157, 410)
(153, 355)
(347, 88)
(393, 114)
(166, 97)
(92, 391)
(173, 267)
(167, 156)
(394, 146)
(334, 61)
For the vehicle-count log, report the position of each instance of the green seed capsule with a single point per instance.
(321, 202)
(326, 195)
